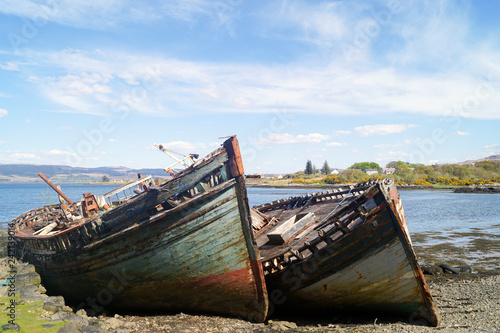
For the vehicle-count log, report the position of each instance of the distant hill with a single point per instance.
(63, 173)
(495, 158)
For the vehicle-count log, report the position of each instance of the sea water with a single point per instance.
(440, 212)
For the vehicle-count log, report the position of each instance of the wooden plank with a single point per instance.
(291, 227)
(46, 229)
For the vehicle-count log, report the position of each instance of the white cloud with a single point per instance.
(24, 156)
(9, 66)
(493, 149)
(310, 81)
(33, 79)
(104, 15)
(3, 113)
(242, 102)
(462, 133)
(129, 78)
(388, 145)
(84, 84)
(436, 40)
(320, 24)
(335, 144)
(382, 129)
(286, 138)
(95, 82)
(394, 155)
(213, 92)
(341, 132)
(56, 152)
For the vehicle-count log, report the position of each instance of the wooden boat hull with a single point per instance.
(372, 267)
(198, 256)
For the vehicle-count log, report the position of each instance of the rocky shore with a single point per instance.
(468, 302)
(467, 294)
(478, 189)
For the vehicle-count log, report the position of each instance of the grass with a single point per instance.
(29, 316)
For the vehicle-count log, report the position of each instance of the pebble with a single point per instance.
(466, 303)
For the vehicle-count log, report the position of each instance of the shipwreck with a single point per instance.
(184, 245)
(194, 244)
(344, 249)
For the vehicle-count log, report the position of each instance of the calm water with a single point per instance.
(426, 211)
(16, 199)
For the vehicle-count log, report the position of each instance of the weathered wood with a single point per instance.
(359, 257)
(184, 246)
(290, 228)
(235, 163)
(45, 229)
(127, 186)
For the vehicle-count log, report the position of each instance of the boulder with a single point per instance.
(27, 279)
(30, 294)
(70, 328)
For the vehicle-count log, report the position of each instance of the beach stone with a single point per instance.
(77, 319)
(121, 330)
(113, 323)
(59, 316)
(30, 294)
(282, 325)
(431, 270)
(11, 327)
(69, 328)
(23, 268)
(82, 313)
(48, 325)
(55, 304)
(4, 268)
(52, 307)
(28, 279)
(93, 328)
(41, 289)
(464, 269)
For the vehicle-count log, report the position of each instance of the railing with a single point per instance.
(107, 196)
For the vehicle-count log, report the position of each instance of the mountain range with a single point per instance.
(494, 158)
(29, 173)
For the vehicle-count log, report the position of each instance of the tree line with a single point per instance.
(483, 172)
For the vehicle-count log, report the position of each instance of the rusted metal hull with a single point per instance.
(197, 256)
(369, 266)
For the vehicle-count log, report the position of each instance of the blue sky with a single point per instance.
(96, 83)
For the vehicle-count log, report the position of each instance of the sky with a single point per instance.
(97, 83)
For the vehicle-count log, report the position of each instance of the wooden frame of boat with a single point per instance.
(193, 244)
(357, 254)
(186, 245)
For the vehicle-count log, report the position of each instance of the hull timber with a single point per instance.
(186, 245)
(358, 256)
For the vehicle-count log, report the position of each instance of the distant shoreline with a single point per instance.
(319, 187)
(454, 189)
